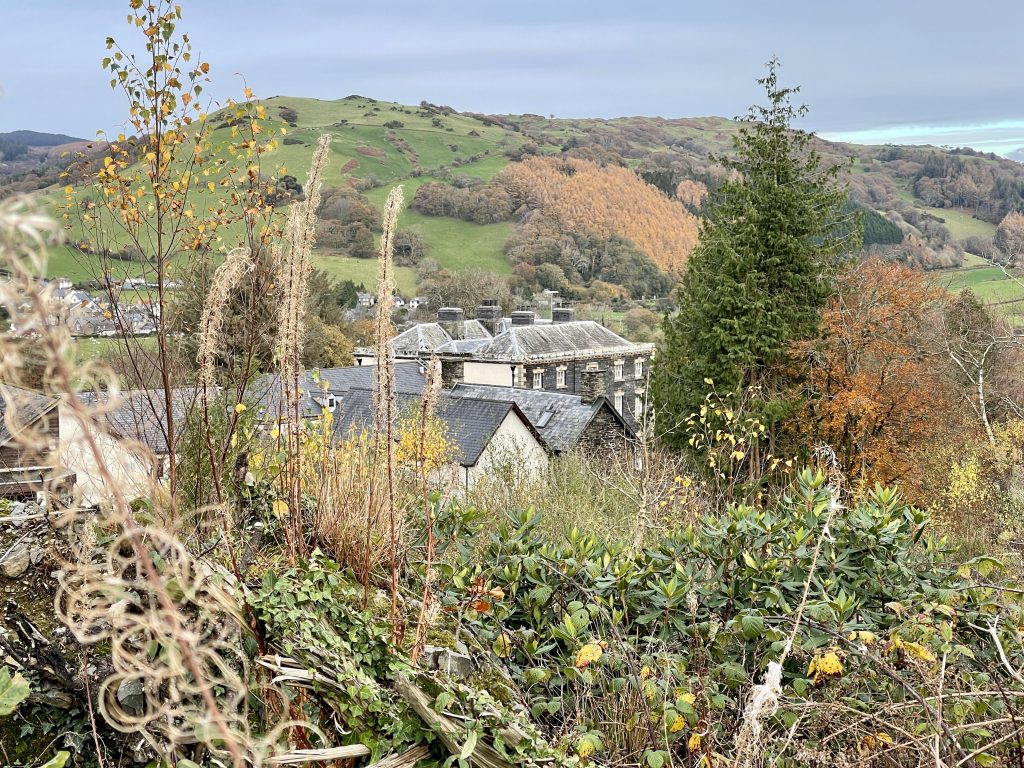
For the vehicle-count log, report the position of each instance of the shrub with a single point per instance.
(604, 641)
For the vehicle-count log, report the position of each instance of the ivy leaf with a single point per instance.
(58, 761)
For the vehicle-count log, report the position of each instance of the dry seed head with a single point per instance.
(238, 262)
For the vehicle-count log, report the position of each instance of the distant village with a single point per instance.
(517, 386)
(124, 307)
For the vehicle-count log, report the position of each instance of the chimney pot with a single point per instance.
(453, 320)
(522, 317)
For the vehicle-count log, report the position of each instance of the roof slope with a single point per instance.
(534, 342)
(266, 390)
(432, 337)
(20, 408)
(141, 414)
(469, 423)
(559, 418)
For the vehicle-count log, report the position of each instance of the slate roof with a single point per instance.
(470, 423)
(560, 418)
(141, 414)
(21, 408)
(432, 337)
(266, 390)
(525, 343)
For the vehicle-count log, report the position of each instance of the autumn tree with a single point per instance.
(871, 384)
(1010, 238)
(609, 201)
(762, 268)
(166, 192)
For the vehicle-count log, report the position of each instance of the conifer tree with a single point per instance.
(761, 270)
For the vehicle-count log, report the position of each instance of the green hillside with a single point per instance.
(367, 147)
(376, 145)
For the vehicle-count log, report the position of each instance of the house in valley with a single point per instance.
(484, 434)
(564, 355)
(585, 423)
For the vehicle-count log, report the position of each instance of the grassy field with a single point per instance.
(363, 271)
(961, 224)
(990, 284)
(456, 244)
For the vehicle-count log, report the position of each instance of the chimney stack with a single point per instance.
(562, 315)
(522, 317)
(452, 372)
(453, 320)
(592, 386)
(489, 315)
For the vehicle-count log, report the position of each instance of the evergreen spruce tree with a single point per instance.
(761, 270)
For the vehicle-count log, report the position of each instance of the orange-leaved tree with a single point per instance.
(871, 384)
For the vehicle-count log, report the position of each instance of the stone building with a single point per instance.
(564, 355)
(585, 423)
(29, 437)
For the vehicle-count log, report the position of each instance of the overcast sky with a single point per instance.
(869, 65)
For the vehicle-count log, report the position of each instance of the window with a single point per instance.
(538, 379)
(638, 368)
(618, 402)
(618, 370)
(638, 407)
(560, 378)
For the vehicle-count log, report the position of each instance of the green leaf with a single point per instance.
(655, 759)
(58, 761)
(13, 691)
(469, 746)
(752, 627)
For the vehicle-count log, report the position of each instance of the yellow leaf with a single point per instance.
(240, 407)
(693, 744)
(588, 654)
(248, 92)
(280, 508)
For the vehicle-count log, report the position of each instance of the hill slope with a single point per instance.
(936, 196)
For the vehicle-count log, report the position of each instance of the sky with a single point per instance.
(938, 71)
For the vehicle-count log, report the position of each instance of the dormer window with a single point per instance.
(327, 401)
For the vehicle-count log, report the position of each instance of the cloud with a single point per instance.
(886, 64)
